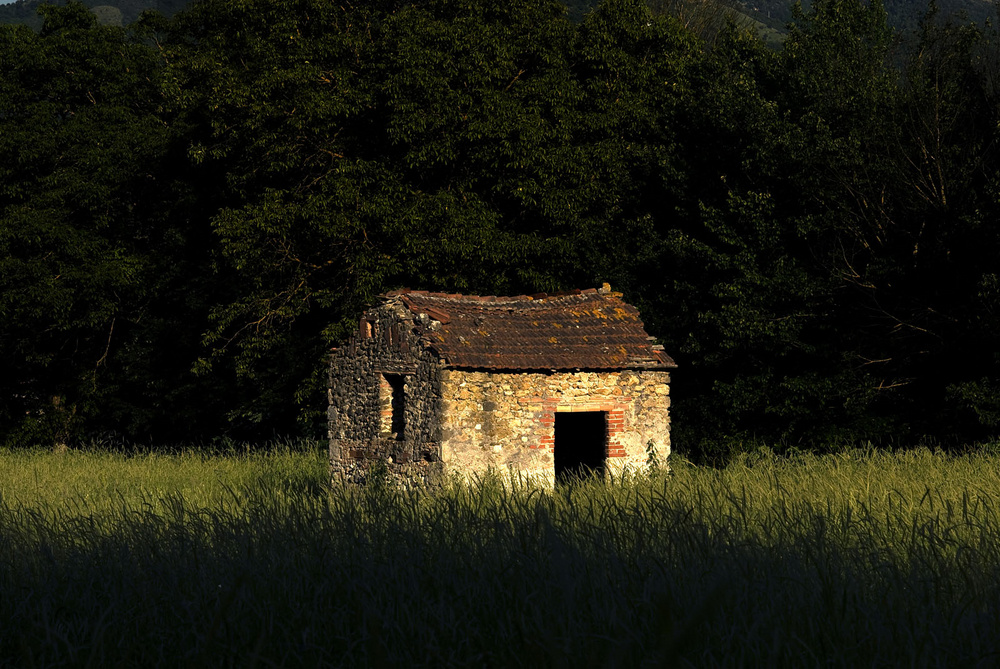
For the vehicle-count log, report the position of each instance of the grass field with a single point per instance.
(862, 558)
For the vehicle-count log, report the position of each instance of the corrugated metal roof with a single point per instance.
(582, 330)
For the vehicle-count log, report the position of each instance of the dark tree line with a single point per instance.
(192, 210)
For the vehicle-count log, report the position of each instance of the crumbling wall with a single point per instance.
(384, 400)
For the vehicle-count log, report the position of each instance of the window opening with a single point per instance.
(581, 444)
(392, 401)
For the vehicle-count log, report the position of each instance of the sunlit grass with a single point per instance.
(98, 479)
(862, 558)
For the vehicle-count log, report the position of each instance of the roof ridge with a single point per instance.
(591, 329)
(536, 297)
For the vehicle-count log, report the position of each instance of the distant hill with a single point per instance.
(903, 14)
(115, 12)
(769, 17)
(775, 14)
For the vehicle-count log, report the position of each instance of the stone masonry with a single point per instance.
(433, 384)
(506, 420)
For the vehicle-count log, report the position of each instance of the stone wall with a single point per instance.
(384, 399)
(506, 421)
(393, 402)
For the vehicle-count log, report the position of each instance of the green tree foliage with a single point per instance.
(817, 289)
(745, 304)
(883, 189)
(73, 141)
(924, 239)
(456, 144)
(194, 212)
(97, 286)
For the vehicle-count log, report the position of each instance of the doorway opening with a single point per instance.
(581, 444)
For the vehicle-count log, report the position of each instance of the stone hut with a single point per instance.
(543, 385)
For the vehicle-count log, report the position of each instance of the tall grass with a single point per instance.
(862, 558)
(97, 479)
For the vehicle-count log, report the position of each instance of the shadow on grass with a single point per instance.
(593, 574)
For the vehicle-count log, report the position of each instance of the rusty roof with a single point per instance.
(586, 329)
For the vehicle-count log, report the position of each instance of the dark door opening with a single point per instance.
(580, 444)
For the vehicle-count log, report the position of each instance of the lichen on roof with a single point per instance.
(584, 329)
